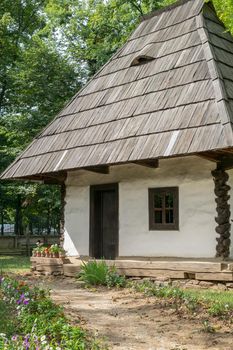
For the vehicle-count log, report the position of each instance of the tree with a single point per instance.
(224, 9)
(35, 82)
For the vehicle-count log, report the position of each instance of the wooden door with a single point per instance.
(104, 221)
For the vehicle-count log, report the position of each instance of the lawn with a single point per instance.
(14, 264)
(8, 325)
(212, 296)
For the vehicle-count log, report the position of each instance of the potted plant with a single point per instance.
(42, 250)
(47, 252)
(55, 249)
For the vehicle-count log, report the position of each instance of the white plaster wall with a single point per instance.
(230, 182)
(196, 236)
(76, 237)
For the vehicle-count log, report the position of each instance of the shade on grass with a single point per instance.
(7, 326)
(14, 264)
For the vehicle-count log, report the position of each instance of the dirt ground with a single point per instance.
(131, 321)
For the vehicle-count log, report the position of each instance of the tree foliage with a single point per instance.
(35, 82)
(48, 50)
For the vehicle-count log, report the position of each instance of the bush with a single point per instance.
(98, 273)
(94, 273)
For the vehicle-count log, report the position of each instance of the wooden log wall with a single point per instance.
(62, 221)
(223, 212)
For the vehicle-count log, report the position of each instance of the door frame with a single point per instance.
(93, 190)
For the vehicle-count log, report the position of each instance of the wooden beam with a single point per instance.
(212, 157)
(154, 163)
(49, 178)
(223, 159)
(226, 162)
(98, 169)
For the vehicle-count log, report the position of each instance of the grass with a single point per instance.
(31, 320)
(215, 303)
(8, 325)
(212, 296)
(14, 264)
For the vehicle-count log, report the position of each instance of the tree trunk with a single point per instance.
(2, 222)
(62, 220)
(48, 223)
(18, 217)
(223, 213)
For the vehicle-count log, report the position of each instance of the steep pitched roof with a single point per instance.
(167, 92)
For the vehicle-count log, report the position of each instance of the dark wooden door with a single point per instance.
(104, 221)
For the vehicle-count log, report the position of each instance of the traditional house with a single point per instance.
(145, 147)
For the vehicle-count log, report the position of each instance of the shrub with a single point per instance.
(94, 273)
(98, 273)
(113, 279)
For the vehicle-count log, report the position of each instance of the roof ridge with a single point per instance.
(166, 8)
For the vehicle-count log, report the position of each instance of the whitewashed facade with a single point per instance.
(196, 237)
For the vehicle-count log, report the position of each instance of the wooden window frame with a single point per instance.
(164, 226)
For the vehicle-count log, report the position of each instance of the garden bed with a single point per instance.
(32, 321)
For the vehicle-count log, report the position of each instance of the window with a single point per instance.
(163, 208)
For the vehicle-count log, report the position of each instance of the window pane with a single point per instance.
(158, 217)
(169, 200)
(169, 217)
(158, 201)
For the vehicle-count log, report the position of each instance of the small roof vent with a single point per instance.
(141, 60)
(145, 55)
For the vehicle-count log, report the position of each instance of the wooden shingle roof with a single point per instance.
(167, 92)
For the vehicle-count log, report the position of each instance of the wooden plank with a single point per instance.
(230, 266)
(186, 266)
(49, 261)
(99, 170)
(151, 273)
(50, 268)
(153, 163)
(222, 276)
(71, 270)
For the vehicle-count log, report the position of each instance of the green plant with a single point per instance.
(99, 273)
(55, 248)
(38, 323)
(113, 279)
(93, 272)
(207, 327)
(218, 309)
